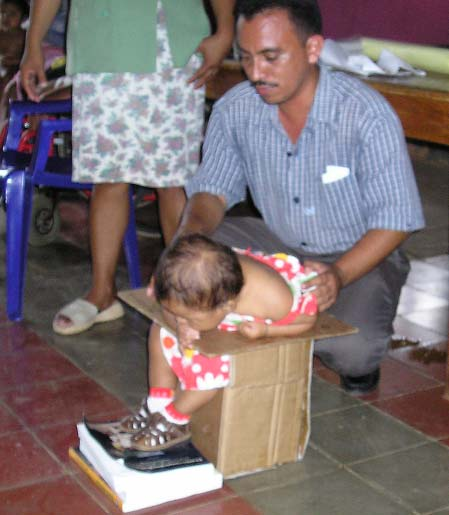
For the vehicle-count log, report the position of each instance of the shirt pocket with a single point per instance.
(342, 203)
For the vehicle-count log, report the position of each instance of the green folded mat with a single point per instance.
(432, 59)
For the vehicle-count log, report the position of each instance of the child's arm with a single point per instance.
(254, 330)
(185, 334)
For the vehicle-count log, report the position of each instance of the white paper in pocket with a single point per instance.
(334, 173)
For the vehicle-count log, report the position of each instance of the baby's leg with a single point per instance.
(160, 374)
(170, 426)
(162, 381)
(189, 401)
(161, 378)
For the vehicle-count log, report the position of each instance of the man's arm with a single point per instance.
(365, 255)
(216, 47)
(32, 70)
(203, 213)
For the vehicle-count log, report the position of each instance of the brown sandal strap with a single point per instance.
(160, 434)
(130, 424)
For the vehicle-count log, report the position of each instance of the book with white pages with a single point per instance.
(133, 489)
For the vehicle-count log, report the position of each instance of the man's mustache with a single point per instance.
(262, 83)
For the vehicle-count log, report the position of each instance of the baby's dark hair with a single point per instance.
(198, 272)
(22, 5)
(304, 14)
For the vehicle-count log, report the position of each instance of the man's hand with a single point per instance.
(366, 254)
(327, 283)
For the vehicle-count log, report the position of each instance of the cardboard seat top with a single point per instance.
(215, 342)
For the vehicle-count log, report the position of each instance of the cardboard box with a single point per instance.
(263, 418)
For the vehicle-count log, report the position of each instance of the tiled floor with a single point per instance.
(387, 453)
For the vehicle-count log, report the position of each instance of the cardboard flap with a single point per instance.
(215, 343)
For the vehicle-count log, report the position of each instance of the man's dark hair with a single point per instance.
(198, 273)
(304, 14)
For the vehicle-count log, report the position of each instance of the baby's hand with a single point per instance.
(253, 330)
(186, 335)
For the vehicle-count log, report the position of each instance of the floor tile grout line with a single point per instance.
(34, 383)
(89, 488)
(407, 394)
(383, 491)
(31, 431)
(365, 404)
(385, 454)
(361, 401)
(419, 370)
(401, 422)
(435, 512)
(34, 482)
(267, 488)
(322, 451)
(192, 509)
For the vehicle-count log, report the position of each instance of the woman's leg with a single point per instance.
(171, 202)
(108, 219)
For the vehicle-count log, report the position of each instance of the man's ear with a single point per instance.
(314, 45)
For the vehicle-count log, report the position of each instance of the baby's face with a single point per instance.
(201, 320)
(10, 16)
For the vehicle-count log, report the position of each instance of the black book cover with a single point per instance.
(181, 455)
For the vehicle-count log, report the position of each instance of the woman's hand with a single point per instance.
(32, 73)
(214, 49)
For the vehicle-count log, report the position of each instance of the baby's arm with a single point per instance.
(256, 329)
(185, 334)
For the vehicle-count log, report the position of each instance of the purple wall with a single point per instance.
(423, 22)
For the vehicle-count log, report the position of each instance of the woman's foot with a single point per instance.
(80, 315)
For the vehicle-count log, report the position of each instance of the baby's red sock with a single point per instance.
(174, 416)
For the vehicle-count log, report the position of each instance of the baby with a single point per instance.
(202, 285)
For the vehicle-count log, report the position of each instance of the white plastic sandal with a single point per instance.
(83, 315)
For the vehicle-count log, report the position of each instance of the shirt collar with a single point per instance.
(323, 107)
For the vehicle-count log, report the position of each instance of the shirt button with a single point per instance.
(296, 200)
(304, 244)
(289, 154)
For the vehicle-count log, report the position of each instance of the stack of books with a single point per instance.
(134, 483)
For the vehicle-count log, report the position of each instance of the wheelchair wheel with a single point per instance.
(45, 221)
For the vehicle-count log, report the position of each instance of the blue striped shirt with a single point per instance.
(349, 171)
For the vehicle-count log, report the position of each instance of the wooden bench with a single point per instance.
(422, 103)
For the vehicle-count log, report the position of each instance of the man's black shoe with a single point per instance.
(360, 385)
